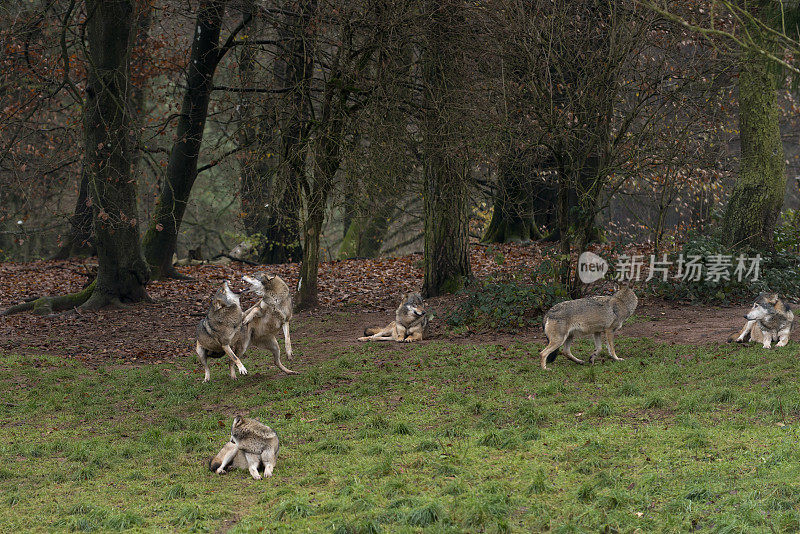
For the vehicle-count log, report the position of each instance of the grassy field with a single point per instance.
(433, 438)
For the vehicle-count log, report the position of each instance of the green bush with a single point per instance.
(507, 305)
(779, 270)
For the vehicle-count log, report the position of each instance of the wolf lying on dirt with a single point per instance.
(587, 316)
(410, 323)
(253, 445)
(770, 319)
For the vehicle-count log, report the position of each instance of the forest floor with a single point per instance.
(105, 424)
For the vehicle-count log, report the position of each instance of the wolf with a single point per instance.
(253, 445)
(410, 323)
(262, 322)
(220, 331)
(770, 319)
(587, 316)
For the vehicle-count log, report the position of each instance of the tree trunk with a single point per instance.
(161, 239)
(757, 197)
(122, 272)
(307, 289)
(365, 233)
(79, 241)
(512, 216)
(446, 194)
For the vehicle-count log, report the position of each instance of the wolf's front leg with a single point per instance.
(767, 339)
(201, 355)
(253, 461)
(745, 335)
(232, 355)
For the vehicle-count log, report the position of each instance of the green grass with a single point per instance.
(433, 438)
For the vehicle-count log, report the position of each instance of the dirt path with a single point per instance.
(163, 331)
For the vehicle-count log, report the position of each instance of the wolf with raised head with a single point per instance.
(220, 331)
(269, 317)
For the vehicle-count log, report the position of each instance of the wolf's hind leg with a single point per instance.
(201, 355)
(568, 350)
(610, 342)
(288, 341)
(598, 346)
(767, 338)
(783, 336)
(554, 339)
(272, 345)
(227, 458)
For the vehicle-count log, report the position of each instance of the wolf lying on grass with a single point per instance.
(770, 319)
(587, 316)
(253, 446)
(410, 323)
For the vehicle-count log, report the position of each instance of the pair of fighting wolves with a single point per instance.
(227, 330)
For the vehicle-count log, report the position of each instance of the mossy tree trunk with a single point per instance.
(513, 213)
(757, 197)
(161, 239)
(446, 192)
(122, 272)
(366, 232)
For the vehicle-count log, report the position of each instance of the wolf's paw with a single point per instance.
(242, 370)
(221, 471)
(256, 477)
(363, 339)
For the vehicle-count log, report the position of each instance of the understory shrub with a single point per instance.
(779, 270)
(507, 304)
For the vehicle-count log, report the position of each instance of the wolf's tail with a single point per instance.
(552, 356)
(371, 331)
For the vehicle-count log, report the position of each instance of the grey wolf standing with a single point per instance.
(587, 316)
(770, 319)
(269, 317)
(410, 323)
(220, 329)
(252, 445)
